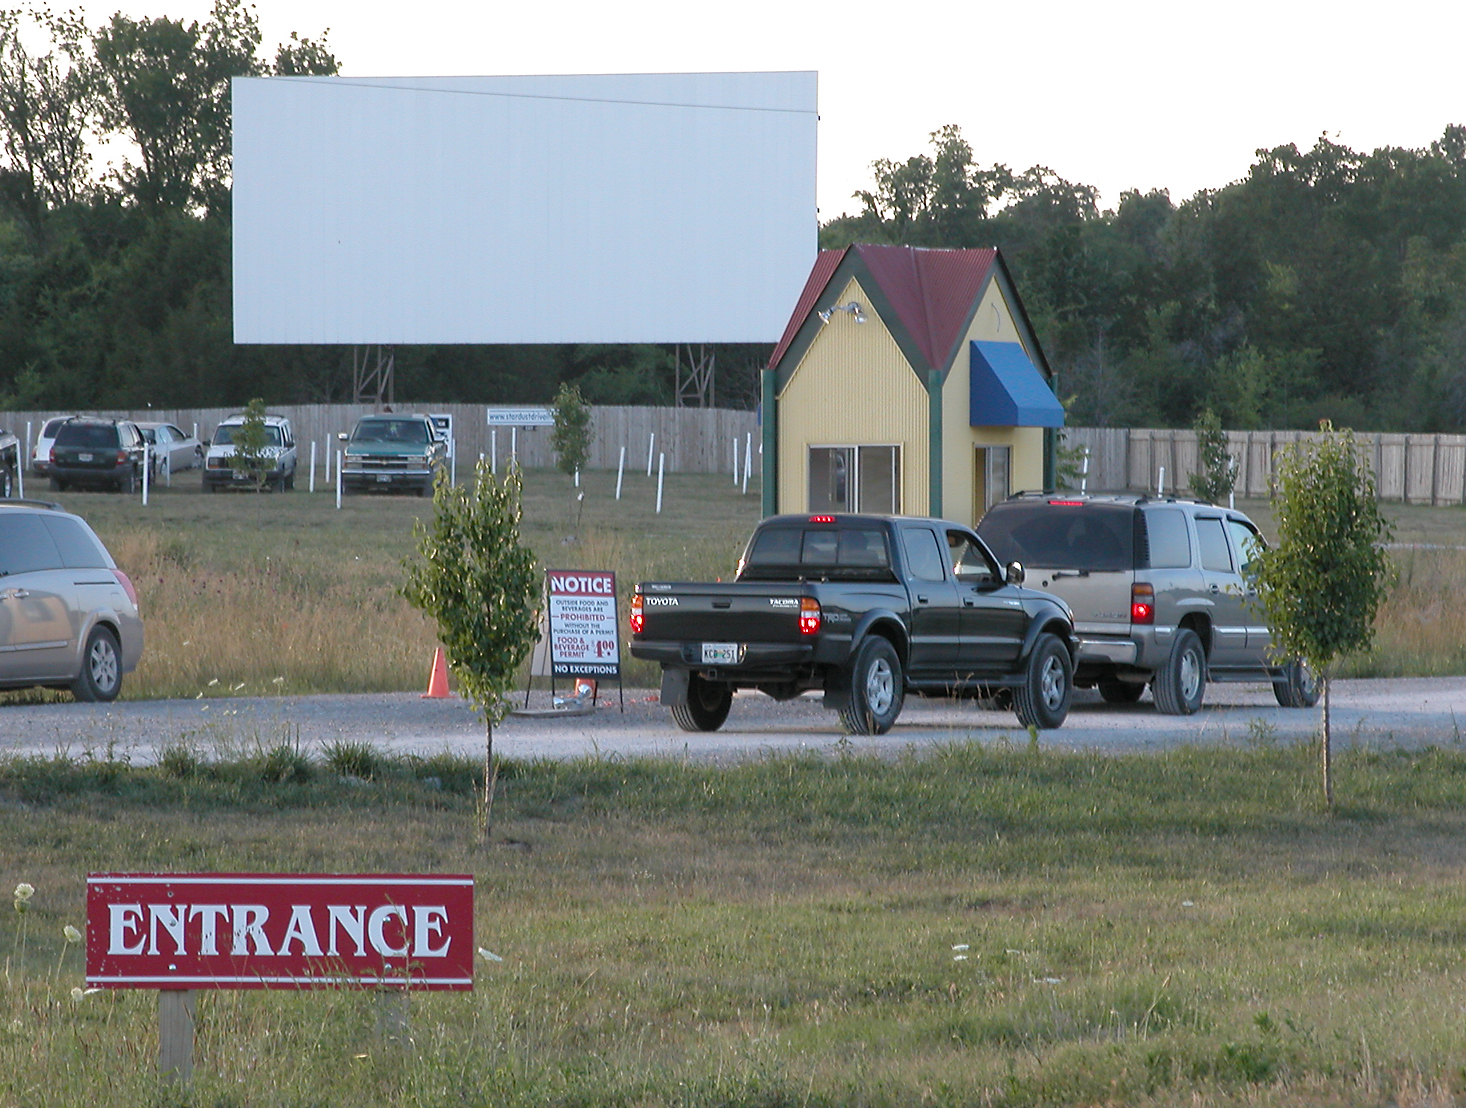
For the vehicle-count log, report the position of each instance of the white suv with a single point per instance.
(219, 471)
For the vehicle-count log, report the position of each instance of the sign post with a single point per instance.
(583, 628)
(181, 932)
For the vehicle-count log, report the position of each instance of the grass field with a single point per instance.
(986, 926)
(254, 595)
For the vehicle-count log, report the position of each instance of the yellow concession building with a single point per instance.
(909, 382)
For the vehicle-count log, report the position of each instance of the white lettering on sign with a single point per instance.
(167, 928)
(598, 584)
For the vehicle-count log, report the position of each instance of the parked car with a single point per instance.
(97, 452)
(41, 453)
(865, 608)
(68, 616)
(219, 471)
(391, 452)
(1159, 589)
(10, 462)
(171, 449)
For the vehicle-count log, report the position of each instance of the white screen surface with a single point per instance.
(603, 208)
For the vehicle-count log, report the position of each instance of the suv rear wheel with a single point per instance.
(1042, 700)
(1299, 688)
(1179, 684)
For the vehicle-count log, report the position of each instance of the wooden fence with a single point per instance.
(1416, 469)
(695, 440)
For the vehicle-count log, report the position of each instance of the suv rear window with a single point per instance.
(1096, 537)
(87, 434)
(225, 432)
(782, 552)
(391, 430)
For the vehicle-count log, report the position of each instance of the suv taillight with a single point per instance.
(809, 615)
(637, 620)
(1142, 604)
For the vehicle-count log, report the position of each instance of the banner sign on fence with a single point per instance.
(583, 638)
(183, 931)
(521, 417)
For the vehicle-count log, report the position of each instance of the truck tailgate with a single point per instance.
(755, 611)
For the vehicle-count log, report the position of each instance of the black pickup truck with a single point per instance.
(865, 608)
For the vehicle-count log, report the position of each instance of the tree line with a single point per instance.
(1323, 284)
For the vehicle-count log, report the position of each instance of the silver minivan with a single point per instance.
(69, 617)
(1160, 592)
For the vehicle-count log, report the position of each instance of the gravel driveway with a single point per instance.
(1407, 712)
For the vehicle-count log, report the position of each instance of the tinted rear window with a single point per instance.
(51, 428)
(785, 551)
(25, 545)
(225, 432)
(78, 548)
(1098, 537)
(87, 434)
(1170, 545)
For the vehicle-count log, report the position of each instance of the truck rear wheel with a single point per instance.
(877, 689)
(1300, 689)
(1042, 700)
(707, 705)
(1178, 685)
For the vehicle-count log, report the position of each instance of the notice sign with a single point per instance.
(279, 931)
(583, 640)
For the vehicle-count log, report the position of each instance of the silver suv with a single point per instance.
(68, 616)
(1159, 590)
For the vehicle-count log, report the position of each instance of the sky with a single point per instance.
(1169, 95)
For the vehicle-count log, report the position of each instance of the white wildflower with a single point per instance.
(71, 933)
(961, 946)
(77, 994)
(489, 955)
(24, 891)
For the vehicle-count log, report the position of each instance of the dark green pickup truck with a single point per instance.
(865, 608)
(392, 453)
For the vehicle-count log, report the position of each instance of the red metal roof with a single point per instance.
(932, 293)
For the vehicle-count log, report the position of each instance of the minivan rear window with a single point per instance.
(25, 546)
(78, 549)
(782, 552)
(1084, 536)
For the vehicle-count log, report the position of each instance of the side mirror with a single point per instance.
(341, 436)
(207, 443)
(1015, 573)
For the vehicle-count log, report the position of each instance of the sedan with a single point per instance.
(171, 449)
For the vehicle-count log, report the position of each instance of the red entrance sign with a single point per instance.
(279, 931)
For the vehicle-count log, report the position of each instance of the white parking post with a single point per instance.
(661, 458)
(453, 461)
(493, 451)
(338, 479)
(735, 461)
(650, 443)
(513, 446)
(147, 465)
(1160, 484)
(25, 461)
(620, 470)
(1084, 473)
(328, 461)
(747, 460)
(313, 466)
(195, 429)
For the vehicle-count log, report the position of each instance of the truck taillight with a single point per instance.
(638, 621)
(1142, 604)
(809, 616)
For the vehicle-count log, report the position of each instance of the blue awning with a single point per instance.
(1007, 390)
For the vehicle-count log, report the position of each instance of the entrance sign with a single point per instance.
(583, 640)
(189, 931)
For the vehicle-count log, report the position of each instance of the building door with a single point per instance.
(991, 482)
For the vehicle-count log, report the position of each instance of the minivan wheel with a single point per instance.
(877, 689)
(1043, 699)
(707, 705)
(1299, 689)
(1180, 683)
(101, 668)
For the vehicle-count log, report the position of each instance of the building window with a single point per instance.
(855, 479)
(991, 483)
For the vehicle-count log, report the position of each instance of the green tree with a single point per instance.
(473, 576)
(571, 437)
(252, 445)
(1323, 583)
(1217, 472)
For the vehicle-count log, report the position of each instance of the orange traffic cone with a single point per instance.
(438, 678)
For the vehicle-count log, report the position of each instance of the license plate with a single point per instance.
(720, 653)
(83, 457)
(384, 478)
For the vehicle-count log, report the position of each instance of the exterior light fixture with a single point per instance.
(853, 308)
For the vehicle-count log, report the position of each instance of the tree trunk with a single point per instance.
(491, 775)
(1328, 750)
